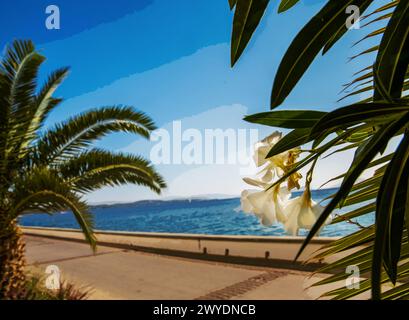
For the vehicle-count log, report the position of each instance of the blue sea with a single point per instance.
(197, 216)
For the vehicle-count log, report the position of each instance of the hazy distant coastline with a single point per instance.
(188, 199)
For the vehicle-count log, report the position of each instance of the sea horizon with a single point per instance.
(194, 215)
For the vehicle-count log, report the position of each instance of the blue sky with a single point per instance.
(171, 60)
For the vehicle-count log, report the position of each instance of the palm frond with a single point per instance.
(19, 70)
(71, 137)
(43, 104)
(95, 169)
(43, 190)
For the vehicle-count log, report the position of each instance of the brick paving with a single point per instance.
(242, 287)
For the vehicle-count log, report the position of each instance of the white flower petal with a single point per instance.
(261, 153)
(268, 176)
(268, 217)
(273, 138)
(245, 203)
(254, 182)
(292, 210)
(302, 213)
(260, 200)
(306, 217)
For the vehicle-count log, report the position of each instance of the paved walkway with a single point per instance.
(121, 274)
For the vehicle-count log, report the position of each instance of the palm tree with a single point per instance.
(381, 250)
(48, 171)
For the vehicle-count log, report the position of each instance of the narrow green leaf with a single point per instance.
(351, 241)
(393, 55)
(307, 44)
(397, 293)
(334, 39)
(385, 7)
(341, 31)
(291, 140)
(375, 33)
(246, 19)
(367, 51)
(384, 211)
(369, 208)
(232, 4)
(383, 17)
(397, 224)
(357, 113)
(291, 119)
(286, 4)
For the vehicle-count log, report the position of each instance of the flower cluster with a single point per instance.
(274, 204)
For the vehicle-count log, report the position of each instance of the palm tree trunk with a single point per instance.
(12, 261)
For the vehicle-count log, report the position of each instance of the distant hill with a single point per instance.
(201, 198)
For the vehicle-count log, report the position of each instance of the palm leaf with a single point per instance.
(71, 137)
(99, 168)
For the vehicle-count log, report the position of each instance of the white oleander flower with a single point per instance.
(277, 165)
(267, 205)
(263, 147)
(302, 213)
(270, 204)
